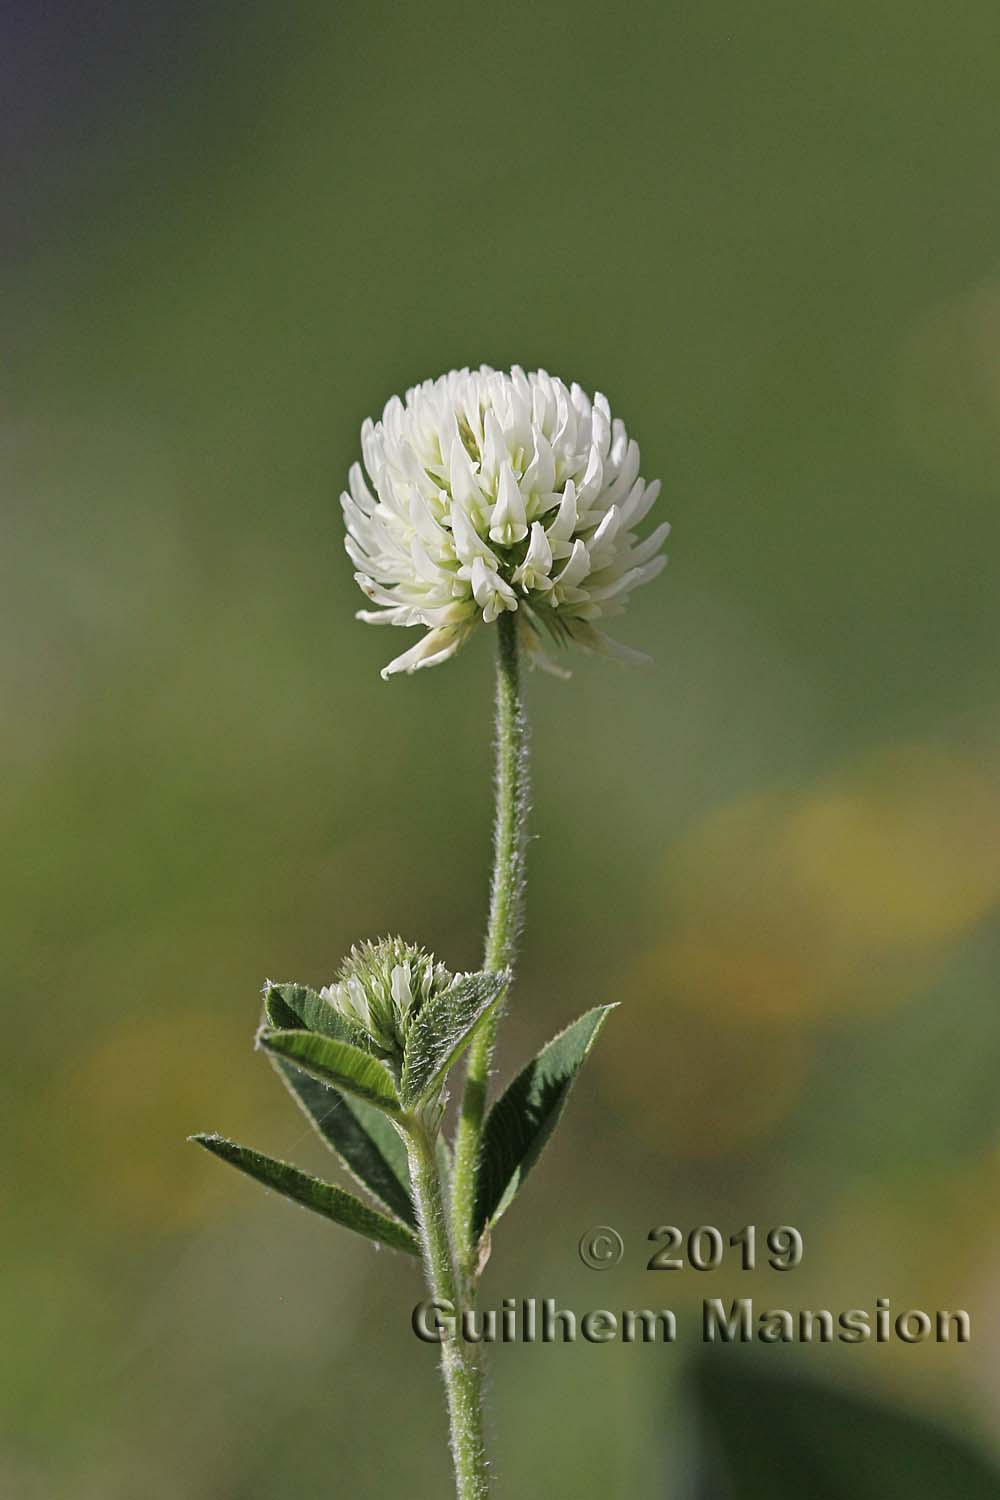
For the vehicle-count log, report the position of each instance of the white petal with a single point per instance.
(608, 528)
(541, 472)
(491, 593)
(464, 488)
(577, 568)
(436, 646)
(399, 983)
(494, 446)
(468, 543)
(593, 478)
(562, 527)
(638, 510)
(643, 551)
(534, 571)
(359, 490)
(508, 523)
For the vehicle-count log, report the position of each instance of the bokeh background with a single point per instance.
(771, 233)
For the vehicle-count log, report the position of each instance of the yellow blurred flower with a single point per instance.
(710, 1088)
(848, 895)
(786, 909)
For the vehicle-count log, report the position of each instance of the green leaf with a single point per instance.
(321, 1197)
(768, 1437)
(337, 1063)
(364, 1140)
(290, 1007)
(521, 1121)
(276, 1011)
(443, 1028)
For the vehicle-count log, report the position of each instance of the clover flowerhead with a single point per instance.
(382, 987)
(489, 493)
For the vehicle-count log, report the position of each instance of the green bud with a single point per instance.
(382, 988)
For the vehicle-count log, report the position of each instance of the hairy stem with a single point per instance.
(462, 1379)
(506, 912)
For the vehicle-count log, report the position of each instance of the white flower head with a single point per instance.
(488, 492)
(382, 987)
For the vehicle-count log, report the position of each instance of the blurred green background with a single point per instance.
(771, 233)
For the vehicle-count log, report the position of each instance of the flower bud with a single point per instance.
(381, 989)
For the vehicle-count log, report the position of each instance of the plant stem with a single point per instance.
(506, 912)
(462, 1378)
